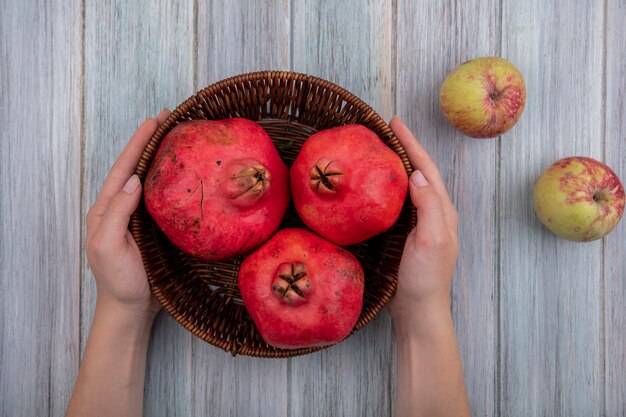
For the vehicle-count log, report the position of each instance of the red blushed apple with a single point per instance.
(483, 97)
(579, 199)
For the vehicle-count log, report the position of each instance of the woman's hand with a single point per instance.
(430, 252)
(112, 373)
(112, 252)
(429, 369)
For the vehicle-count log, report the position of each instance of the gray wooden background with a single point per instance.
(540, 321)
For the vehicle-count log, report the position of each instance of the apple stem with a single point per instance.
(599, 196)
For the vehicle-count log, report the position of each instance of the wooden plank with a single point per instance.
(40, 104)
(241, 36)
(433, 38)
(351, 46)
(237, 386)
(353, 378)
(615, 243)
(550, 288)
(138, 59)
(235, 37)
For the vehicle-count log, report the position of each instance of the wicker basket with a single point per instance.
(203, 296)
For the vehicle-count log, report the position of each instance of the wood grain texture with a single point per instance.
(540, 320)
(353, 378)
(350, 46)
(235, 37)
(138, 59)
(433, 38)
(40, 103)
(551, 337)
(615, 243)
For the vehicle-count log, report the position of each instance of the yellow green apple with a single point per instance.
(579, 198)
(483, 97)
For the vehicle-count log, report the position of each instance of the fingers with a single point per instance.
(125, 165)
(420, 160)
(431, 225)
(165, 113)
(114, 223)
(418, 156)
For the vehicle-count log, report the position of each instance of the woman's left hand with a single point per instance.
(112, 252)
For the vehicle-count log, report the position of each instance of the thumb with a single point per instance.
(114, 223)
(430, 218)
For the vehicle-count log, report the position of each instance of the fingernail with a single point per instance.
(418, 179)
(131, 184)
(145, 122)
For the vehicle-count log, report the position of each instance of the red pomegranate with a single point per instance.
(347, 185)
(301, 290)
(217, 188)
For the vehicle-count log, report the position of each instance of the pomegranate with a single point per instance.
(217, 188)
(301, 290)
(347, 185)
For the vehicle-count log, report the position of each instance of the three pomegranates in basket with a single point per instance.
(219, 189)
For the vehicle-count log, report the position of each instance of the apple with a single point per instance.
(579, 199)
(483, 97)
